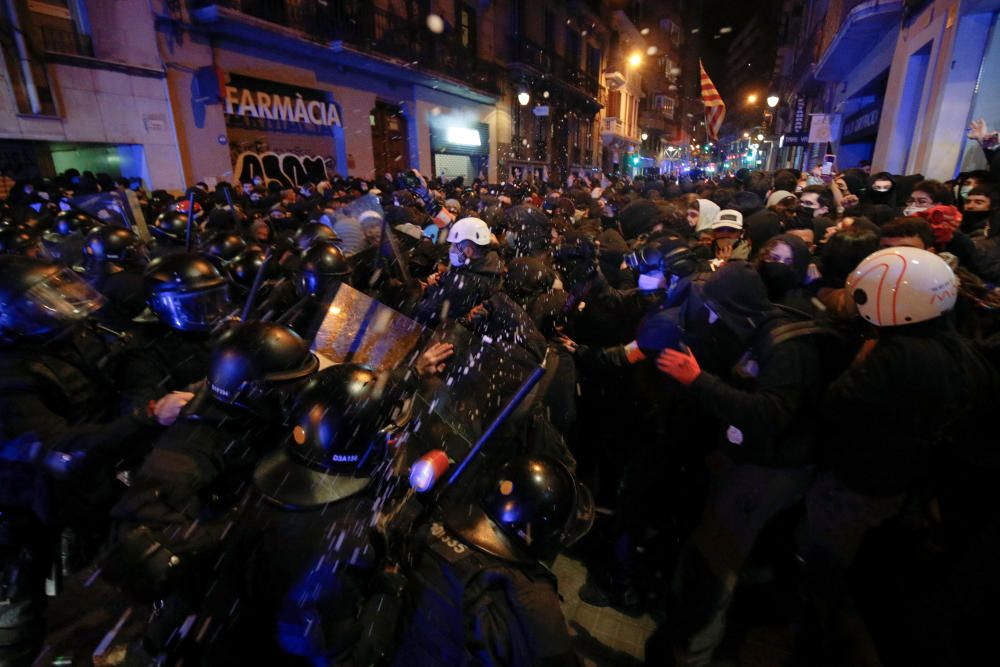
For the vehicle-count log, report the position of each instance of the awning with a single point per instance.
(863, 27)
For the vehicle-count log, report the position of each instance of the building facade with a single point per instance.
(181, 91)
(892, 82)
(82, 85)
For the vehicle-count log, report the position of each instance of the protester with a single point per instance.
(716, 359)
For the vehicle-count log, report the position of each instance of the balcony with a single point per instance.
(525, 53)
(616, 129)
(373, 31)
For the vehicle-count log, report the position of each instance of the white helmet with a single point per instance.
(902, 285)
(470, 229)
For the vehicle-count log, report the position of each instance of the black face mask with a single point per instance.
(778, 278)
(973, 220)
(804, 213)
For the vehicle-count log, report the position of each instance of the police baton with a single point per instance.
(426, 471)
(187, 242)
(258, 279)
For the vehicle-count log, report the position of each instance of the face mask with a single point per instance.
(456, 257)
(805, 213)
(650, 281)
(913, 210)
(777, 277)
(963, 191)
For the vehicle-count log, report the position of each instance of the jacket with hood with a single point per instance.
(707, 211)
(764, 405)
(460, 290)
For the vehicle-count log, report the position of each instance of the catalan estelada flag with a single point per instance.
(715, 108)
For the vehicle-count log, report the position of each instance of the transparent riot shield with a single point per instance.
(452, 411)
(355, 328)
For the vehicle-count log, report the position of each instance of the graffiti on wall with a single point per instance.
(289, 169)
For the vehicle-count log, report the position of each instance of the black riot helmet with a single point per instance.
(186, 292)
(334, 443)
(224, 247)
(532, 508)
(71, 222)
(18, 241)
(669, 256)
(110, 244)
(322, 266)
(312, 233)
(171, 227)
(242, 270)
(38, 298)
(255, 363)
(224, 218)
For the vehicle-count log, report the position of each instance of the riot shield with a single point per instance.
(452, 411)
(355, 328)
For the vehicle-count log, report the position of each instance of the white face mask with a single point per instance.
(651, 281)
(456, 257)
(913, 210)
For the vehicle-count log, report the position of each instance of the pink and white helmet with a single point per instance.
(902, 285)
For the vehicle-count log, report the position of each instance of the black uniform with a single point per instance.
(61, 396)
(476, 609)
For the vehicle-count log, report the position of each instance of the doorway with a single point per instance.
(390, 142)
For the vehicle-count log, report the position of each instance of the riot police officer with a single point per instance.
(172, 519)
(61, 421)
(479, 592)
(300, 570)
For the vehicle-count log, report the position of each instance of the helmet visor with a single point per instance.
(192, 311)
(61, 298)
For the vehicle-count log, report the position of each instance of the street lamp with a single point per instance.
(523, 98)
(772, 101)
(635, 59)
(760, 137)
(746, 135)
(752, 98)
(644, 136)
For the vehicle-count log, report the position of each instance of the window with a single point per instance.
(675, 34)
(27, 72)
(664, 104)
(466, 26)
(573, 48)
(593, 60)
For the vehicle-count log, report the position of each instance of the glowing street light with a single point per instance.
(635, 59)
(523, 98)
(746, 135)
(644, 136)
(772, 101)
(752, 98)
(760, 137)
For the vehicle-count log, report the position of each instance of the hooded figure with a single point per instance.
(708, 210)
(783, 264)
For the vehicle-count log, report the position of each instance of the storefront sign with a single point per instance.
(268, 105)
(863, 124)
(824, 128)
(799, 116)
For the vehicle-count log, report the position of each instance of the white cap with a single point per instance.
(727, 218)
(778, 196)
(470, 229)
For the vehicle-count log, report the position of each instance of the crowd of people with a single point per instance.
(688, 384)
